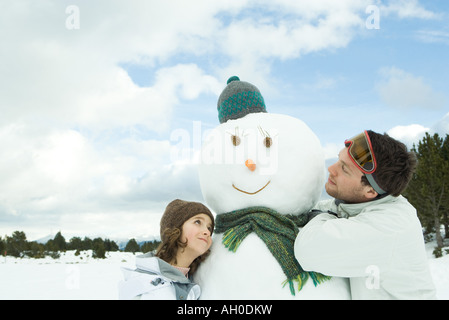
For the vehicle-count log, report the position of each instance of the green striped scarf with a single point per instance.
(277, 231)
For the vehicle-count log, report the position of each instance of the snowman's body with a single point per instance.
(268, 160)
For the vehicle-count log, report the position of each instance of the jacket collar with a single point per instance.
(149, 263)
(347, 210)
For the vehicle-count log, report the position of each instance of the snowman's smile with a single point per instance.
(251, 193)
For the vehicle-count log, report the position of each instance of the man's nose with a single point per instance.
(331, 169)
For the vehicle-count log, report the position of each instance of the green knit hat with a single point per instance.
(238, 99)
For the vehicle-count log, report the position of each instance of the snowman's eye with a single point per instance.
(235, 140)
(267, 142)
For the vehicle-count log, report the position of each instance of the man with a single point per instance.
(369, 233)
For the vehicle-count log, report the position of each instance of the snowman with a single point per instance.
(261, 174)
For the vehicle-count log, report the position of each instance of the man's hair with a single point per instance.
(395, 164)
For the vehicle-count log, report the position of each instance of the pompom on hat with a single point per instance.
(238, 99)
(179, 211)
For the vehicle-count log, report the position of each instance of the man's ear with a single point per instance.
(370, 193)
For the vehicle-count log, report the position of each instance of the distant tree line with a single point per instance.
(17, 245)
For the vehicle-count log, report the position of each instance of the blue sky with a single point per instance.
(104, 104)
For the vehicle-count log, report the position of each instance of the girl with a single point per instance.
(186, 230)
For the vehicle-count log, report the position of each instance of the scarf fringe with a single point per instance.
(231, 240)
(302, 278)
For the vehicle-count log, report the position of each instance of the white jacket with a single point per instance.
(379, 245)
(155, 279)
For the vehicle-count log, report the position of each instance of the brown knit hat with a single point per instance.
(179, 211)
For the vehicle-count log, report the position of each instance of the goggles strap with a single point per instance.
(374, 184)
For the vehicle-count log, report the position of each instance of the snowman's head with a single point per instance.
(262, 159)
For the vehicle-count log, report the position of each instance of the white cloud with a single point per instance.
(442, 126)
(294, 29)
(40, 169)
(50, 178)
(188, 80)
(433, 36)
(331, 150)
(412, 134)
(281, 30)
(401, 89)
(409, 135)
(117, 224)
(72, 76)
(407, 9)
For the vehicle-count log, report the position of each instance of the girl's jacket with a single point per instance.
(155, 279)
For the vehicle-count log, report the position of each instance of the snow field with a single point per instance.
(68, 278)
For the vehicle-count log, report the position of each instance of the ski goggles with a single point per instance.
(361, 153)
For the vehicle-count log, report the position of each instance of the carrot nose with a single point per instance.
(250, 164)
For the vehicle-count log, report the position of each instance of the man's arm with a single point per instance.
(343, 247)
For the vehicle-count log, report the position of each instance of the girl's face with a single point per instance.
(197, 232)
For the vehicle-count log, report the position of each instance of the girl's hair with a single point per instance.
(168, 248)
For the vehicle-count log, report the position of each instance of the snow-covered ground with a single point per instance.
(82, 277)
(439, 268)
(69, 277)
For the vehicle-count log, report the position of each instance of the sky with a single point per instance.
(104, 104)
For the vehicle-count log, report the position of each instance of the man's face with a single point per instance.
(345, 183)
